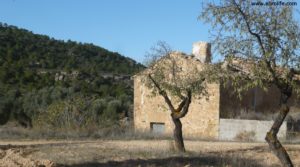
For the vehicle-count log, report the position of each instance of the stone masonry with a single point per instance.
(202, 119)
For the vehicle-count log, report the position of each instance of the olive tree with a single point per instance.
(169, 77)
(266, 39)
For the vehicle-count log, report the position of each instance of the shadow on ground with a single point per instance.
(174, 162)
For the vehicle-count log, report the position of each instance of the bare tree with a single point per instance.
(169, 78)
(266, 39)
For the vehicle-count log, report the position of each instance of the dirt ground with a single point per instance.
(150, 153)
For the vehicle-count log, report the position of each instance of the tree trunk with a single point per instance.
(178, 139)
(271, 137)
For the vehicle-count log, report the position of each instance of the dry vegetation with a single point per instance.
(150, 153)
(118, 147)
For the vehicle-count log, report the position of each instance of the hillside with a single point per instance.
(48, 82)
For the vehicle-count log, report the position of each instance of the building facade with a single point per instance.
(151, 113)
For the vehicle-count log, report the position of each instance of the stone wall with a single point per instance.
(256, 130)
(202, 51)
(202, 120)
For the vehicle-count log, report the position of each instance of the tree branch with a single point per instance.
(163, 94)
(181, 105)
(185, 109)
(257, 36)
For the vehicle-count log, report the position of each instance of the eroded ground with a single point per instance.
(149, 153)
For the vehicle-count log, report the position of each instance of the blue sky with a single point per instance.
(129, 27)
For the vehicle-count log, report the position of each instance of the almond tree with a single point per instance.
(168, 78)
(266, 39)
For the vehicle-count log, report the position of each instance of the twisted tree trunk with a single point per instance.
(271, 137)
(178, 139)
(176, 114)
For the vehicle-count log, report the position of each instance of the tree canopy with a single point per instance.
(262, 48)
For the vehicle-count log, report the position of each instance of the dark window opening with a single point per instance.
(157, 127)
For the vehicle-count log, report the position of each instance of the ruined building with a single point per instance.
(207, 118)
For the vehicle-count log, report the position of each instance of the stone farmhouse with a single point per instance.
(216, 117)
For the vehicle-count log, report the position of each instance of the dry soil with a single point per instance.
(150, 153)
